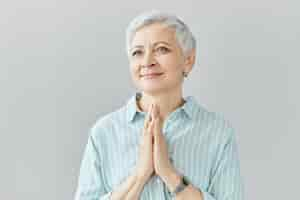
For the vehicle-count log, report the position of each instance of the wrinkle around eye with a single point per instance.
(163, 49)
(134, 53)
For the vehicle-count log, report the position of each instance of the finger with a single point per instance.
(148, 117)
(155, 124)
(149, 132)
(160, 120)
(148, 125)
(151, 126)
(156, 127)
(151, 112)
(156, 136)
(155, 111)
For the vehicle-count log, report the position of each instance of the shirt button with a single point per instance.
(158, 181)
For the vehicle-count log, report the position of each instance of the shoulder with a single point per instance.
(214, 122)
(106, 124)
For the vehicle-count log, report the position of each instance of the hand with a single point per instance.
(145, 165)
(162, 164)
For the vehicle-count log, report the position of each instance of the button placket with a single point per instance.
(158, 181)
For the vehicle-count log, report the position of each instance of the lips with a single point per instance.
(150, 75)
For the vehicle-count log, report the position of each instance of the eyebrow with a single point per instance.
(155, 44)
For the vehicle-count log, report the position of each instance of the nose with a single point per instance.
(148, 60)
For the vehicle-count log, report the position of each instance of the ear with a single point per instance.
(189, 60)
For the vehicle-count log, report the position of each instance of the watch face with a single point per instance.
(183, 184)
(184, 181)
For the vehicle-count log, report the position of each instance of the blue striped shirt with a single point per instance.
(201, 144)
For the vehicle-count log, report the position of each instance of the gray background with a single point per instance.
(63, 65)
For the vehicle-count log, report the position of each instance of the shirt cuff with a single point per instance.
(206, 195)
(107, 196)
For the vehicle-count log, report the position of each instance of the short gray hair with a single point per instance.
(184, 36)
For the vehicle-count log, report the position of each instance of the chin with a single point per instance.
(152, 89)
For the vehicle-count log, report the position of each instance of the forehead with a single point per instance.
(153, 33)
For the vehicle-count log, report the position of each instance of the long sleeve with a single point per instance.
(90, 181)
(226, 181)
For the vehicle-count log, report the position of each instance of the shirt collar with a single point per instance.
(132, 109)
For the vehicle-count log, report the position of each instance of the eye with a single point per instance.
(162, 50)
(137, 52)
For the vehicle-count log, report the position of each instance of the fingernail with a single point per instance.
(154, 111)
(150, 109)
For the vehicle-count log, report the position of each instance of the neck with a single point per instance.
(167, 102)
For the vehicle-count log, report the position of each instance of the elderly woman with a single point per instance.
(160, 145)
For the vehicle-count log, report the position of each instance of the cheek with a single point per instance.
(171, 61)
(134, 72)
(173, 67)
(174, 72)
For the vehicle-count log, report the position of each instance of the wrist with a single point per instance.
(140, 179)
(172, 179)
(139, 184)
(140, 176)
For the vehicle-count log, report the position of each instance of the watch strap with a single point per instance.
(180, 187)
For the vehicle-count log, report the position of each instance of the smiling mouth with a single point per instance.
(151, 75)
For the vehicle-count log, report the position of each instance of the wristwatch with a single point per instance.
(180, 187)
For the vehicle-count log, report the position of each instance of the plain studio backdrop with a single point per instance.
(63, 65)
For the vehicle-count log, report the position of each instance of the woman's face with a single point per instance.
(156, 59)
